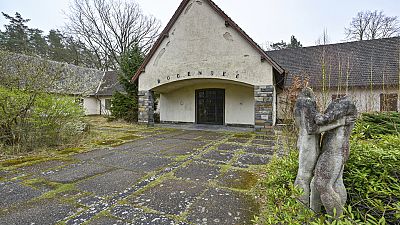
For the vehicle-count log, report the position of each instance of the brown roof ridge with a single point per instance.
(228, 20)
(337, 44)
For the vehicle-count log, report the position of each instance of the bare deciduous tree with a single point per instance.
(323, 39)
(110, 28)
(372, 25)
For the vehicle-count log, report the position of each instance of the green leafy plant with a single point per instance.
(371, 125)
(29, 122)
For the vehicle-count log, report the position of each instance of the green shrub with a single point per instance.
(29, 121)
(372, 177)
(124, 107)
(370, 125)
(278, 196)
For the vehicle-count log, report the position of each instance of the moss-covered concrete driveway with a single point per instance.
(164, 177)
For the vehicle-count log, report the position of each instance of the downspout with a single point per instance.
(99, 100)
(96, 96)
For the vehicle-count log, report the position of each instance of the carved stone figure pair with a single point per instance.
(321, 161)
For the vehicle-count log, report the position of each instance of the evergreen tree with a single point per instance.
(125, 105)
(37, 43)
(279, 45)
(56, 46)
(16, 36)
(19, 38)
(294, 43)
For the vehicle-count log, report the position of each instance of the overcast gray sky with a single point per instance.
(263, 20)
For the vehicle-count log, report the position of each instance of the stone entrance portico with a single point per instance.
(260, 108)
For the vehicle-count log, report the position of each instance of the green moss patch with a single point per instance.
(108, 142)
(239, 179)
(70, 150)
(129, 137)
(41, 183)
(60, 189)
(23, 160)
(243, 135)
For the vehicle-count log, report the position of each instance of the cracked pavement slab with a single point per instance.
(198, 171)
(12, 192)
(110, 183)
(171, 196)
(42, 212)
(176, 177)
(74, 172)
(218, 206)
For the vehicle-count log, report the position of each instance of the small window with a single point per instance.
(334, 97)
(388, 102)
(108, 104)
(79, 101)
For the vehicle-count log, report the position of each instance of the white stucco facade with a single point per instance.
(201, 51)
(179, 105)
(95, 105)
(200, 44)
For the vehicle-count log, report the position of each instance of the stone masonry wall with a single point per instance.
(264, 98)
(146, 108)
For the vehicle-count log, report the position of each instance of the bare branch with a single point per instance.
(372, 25)
(109, 28)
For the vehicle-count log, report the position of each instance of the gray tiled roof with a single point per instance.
(68, 79)
(109, 84)
(355, 60)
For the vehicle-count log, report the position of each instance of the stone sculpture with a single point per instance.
(326, 188)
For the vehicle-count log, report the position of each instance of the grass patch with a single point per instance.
(129, 137)
(24, 160)
(59, 190)
(240, 179)
(181, 158)
(70, 150)
(243, 135)
(40, 182)
(108, 142)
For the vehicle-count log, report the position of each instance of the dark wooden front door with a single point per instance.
(210, 104)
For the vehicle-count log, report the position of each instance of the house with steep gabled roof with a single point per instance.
(207, 70)
(93, 88)
(368, 71)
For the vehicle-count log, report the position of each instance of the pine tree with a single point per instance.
(125, 105)
(16, 36)
(294, 43)
(56, 46)
(37, 43)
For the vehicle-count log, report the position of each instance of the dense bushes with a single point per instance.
(371, 125)
(29, 121)
(372, 179)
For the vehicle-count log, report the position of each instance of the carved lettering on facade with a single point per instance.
(211, 73)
